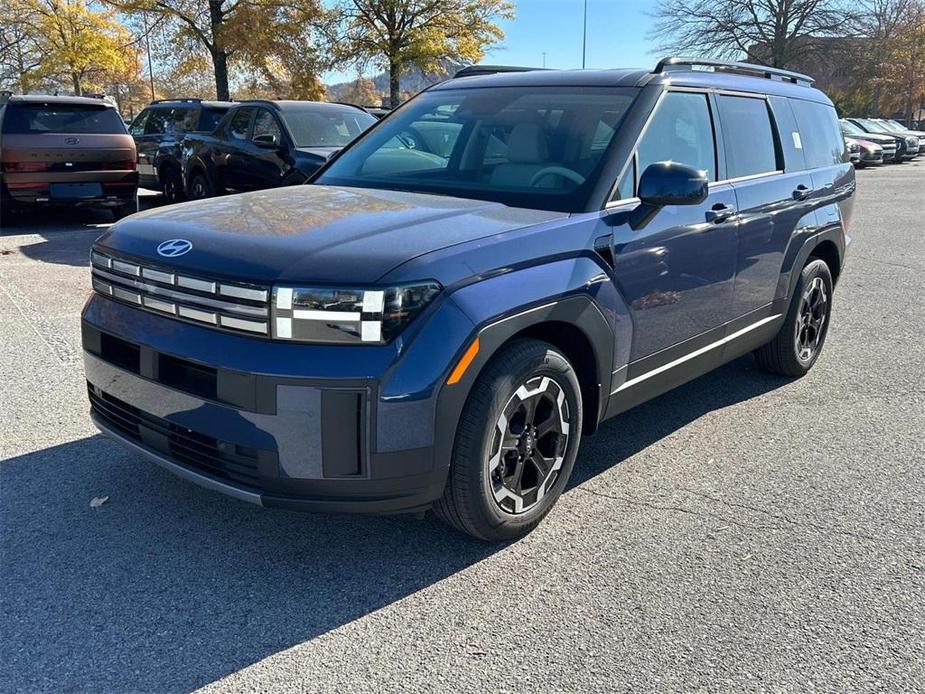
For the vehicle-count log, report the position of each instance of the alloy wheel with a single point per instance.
(811, 319)
(528, 445)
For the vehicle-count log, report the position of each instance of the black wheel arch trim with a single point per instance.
(578, 310)
(798, 254)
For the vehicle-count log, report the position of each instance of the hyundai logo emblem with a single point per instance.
(174, 247)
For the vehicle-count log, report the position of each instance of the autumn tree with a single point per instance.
(902, 61)
(56, 42)
(271, 37)
(398, 34)
(362, 91)
(772, 32)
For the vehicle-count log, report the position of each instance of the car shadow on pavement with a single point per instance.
(166, 586)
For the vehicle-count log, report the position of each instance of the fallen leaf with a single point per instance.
(98, 501)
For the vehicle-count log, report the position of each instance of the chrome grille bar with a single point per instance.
(230, 306)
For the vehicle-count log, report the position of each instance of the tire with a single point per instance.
(480, 499)
(797, 345)
(199, 187)
(172, 185)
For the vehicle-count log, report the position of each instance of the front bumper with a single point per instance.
(306, 427)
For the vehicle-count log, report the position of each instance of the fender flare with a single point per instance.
(797, 254)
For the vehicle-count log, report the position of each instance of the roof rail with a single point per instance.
(666, 64)
(191, 100)
(473, 70)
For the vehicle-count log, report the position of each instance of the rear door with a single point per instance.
(676, 273)
(233, 151)
(764, 161)
(824, 150)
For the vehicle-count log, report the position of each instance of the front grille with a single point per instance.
(241, 308)
(217, 458)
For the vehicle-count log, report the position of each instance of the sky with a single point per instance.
(616, 36)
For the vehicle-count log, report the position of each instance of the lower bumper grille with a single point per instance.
(221, 459)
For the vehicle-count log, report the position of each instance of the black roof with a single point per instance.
(688, 72)
(165, 103)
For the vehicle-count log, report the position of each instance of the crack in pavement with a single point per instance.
(788, 524)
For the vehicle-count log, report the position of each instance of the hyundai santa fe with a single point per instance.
(474, 284)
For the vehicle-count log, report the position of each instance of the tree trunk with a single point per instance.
(220, 65)
(394, 84)
(217, 49)
(78, 89)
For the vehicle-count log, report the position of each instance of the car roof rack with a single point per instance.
(667, 64)
(191, 100)
(474, 70)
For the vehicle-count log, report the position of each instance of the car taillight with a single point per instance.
(120, 165)
(25, 166)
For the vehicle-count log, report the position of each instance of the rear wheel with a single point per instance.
(172, 185)
(516, 443)
(199, 187)
(797, 345)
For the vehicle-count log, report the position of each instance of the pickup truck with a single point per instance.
(266, 144)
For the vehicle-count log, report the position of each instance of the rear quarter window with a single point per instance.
(823, 142)
(37, 119)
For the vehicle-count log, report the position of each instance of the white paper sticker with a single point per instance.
(797, 142)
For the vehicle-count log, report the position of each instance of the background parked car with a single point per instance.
(159, 130)
(900, 129)
(888, 143)
(854, 150)
(908, 143)
(870, 153)
(265, 144)
(65, 150)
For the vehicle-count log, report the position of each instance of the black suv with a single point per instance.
(266, 144)
(158, 131)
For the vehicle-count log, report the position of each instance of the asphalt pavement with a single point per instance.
(743, 533)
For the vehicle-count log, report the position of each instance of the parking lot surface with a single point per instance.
(745, 532)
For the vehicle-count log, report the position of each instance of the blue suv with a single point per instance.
(496, 267)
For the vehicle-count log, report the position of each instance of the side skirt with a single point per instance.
(741, 340)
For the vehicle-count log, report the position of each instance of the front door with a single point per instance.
(677, 272)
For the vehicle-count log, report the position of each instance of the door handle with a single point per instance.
(802, 192)
(720, 213)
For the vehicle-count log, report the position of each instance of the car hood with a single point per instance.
(311, 233)
(878, 138)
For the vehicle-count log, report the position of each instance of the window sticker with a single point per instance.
(797, 142)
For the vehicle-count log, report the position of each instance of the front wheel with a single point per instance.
(515, 445)
(199, 187)
(797, 345)
(172, 185)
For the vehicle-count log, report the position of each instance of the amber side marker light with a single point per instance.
(463, 363)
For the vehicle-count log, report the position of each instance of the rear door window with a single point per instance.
(748, 136)
(37, 119)
(823, 143)
(681, 131)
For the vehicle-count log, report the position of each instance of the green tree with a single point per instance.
(399, 34)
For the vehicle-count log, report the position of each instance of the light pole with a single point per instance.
(544, 59)
(584, 36)
(144, 18)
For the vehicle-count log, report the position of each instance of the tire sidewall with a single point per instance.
(172, 176)
(813, 269)
(545, 361)
(206, 187)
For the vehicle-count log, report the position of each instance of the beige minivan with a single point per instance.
(65, 150)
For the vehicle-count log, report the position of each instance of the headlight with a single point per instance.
(347, 315)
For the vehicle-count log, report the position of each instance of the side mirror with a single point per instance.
(266, 141)
(668, 183)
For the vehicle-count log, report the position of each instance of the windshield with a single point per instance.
(535, 147)
(35, 119)
(849, 128)
(892, 125)
(328, 128)
(872, 125)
